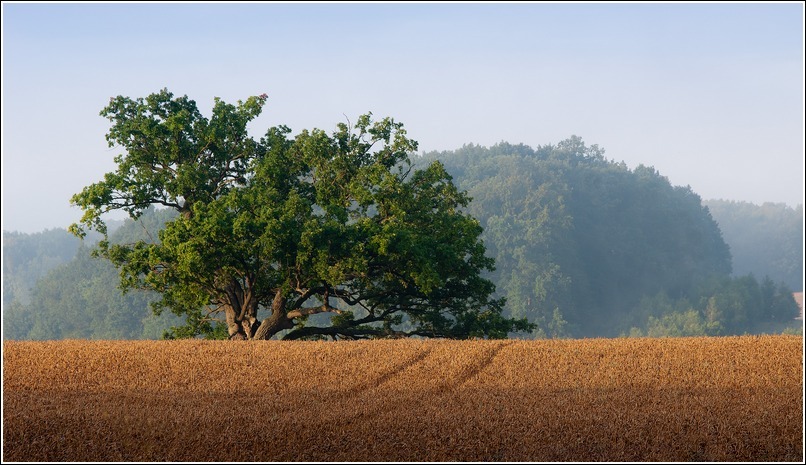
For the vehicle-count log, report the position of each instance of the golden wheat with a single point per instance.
(689, 399)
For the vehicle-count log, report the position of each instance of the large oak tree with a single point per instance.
(272, 231)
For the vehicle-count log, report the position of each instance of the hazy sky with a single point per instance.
(709, 94)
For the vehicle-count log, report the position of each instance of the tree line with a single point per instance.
(352, 235)
(586, 247)
(765, 240)
(76, 295)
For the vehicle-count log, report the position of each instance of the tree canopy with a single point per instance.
(292, 227)
(583, 243)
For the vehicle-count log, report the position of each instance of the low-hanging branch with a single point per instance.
(286, 224)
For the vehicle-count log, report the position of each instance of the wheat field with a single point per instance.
(686, 399)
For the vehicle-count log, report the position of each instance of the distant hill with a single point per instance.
(55, 289)
(579, 240)
(28, 257)
(583, 246)
(765, 240)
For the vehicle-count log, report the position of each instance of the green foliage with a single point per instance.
(766, 240)
(28, 257)
(689, 323)
(175, 156)
(341, 236)
(17, 320)
(80, 299)
(742, 302)
(292, 226)
(581, 239)
(724, 305)
(793, 331)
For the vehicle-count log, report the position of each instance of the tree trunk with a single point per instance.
(240, 311)
(278, 320)
(233, 328)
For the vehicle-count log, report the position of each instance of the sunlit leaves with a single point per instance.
(340, 220)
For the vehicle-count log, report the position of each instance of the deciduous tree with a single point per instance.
(273, 231)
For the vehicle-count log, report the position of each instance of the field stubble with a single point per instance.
(689, 399)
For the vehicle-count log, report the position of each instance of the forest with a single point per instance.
(583, 247)
(766, 240)
(586, 247)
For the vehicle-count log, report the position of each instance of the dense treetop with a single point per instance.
(294, 226)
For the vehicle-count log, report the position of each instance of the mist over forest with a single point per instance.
(583, 247)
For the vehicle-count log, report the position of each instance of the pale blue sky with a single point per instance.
(709, 94)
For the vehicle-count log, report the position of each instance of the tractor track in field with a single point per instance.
(389, 374)
(474, 369)
(447, 387)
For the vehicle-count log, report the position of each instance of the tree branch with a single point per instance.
(115, 206)
(336, 331)
(300, 312)
(306, 294)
